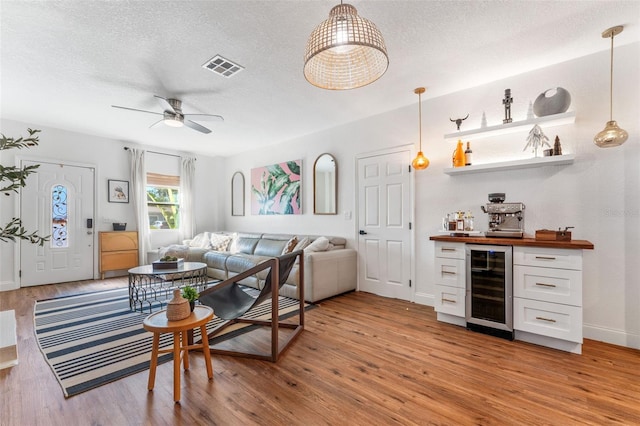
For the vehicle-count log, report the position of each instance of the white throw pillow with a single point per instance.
(219, 242)
(177, 250)
(233, 245)
(302, 244)
(320, 244)
(201, 240)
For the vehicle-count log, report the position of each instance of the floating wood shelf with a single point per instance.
(514, 164)
(516, 126)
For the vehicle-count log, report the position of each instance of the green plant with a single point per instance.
(190, 293)
(13, 178)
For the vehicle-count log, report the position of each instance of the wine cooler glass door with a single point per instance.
(489, 286)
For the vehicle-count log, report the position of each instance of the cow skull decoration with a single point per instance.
(458, 121)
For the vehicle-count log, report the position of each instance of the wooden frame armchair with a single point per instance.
(231, 303)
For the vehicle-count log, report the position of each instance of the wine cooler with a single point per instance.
(489, 301)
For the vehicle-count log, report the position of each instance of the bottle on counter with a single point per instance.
(460, 221)
(467, 154)
(468, 221)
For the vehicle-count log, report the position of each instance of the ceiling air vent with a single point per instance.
(222, 66)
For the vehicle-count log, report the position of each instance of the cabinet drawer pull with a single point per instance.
(546, 285)
(448, 272)
(449, 300)
(545, 258)
(447, 249)
(545, 319)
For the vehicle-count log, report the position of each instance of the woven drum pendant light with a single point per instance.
(420, 162)
(345, 52)
(612, 135)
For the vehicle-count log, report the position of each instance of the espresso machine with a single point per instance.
(505, 219)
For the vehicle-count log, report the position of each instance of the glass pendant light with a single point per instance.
(420, 162)
(612, 135)
(345, 51)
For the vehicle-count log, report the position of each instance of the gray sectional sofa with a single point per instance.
(329, 267)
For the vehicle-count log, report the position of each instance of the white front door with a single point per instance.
(58, 200)
(384, 215)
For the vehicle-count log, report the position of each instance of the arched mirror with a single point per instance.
(237, 194)
(325, 185)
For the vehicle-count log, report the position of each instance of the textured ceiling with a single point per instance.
(64, 63)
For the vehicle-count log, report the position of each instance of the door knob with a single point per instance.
(362, 232)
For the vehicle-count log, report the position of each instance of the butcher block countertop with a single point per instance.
(527, 241)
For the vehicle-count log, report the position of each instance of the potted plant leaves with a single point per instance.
(191, 294)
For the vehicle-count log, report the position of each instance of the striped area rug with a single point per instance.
(94, 338)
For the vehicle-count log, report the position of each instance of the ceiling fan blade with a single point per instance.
(204, 117)
(156, 123)
(196, 126)
(138, 110)
(165, 104)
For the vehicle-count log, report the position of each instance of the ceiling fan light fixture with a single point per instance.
(172, 120)
(420, 162)
(345, 51)
(612, 135)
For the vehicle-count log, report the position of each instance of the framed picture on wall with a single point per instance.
(275, 189)
(118, 191)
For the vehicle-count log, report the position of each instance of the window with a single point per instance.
(163, 201)
(59, 217)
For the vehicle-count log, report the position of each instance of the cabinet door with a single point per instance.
(116, 260)
(450, 272)
(120, 240)
(450, 250)
(548, 257)
(450, 300)
(548, 319)
(548, 284)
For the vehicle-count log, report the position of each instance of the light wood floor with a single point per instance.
(362, 359)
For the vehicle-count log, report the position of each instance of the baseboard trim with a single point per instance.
(8, 285)
(550, 342)
(608, 335)
(424, 299)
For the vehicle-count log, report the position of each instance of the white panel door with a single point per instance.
(57, 200)
(384, 214)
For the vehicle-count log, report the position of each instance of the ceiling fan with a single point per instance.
(174, 117)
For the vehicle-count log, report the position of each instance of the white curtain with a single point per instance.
(187, 189)
(139, 197)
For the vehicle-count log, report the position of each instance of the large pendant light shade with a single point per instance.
(612, 135)
(420, 162)
(345, 52)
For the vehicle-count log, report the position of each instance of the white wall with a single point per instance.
(111, 162)
(598, 194)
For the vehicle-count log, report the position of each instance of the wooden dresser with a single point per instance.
(118, 250)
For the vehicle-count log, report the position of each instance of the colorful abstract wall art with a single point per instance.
(275, 189)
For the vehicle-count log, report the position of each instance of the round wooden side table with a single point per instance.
(158, 323)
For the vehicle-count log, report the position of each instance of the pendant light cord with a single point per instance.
(420, 118)
(611, 83)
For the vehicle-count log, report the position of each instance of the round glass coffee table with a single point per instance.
(150, 287)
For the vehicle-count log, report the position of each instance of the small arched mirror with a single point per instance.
(237, 194)
(325, 185)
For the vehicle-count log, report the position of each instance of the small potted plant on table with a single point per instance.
(191, 295)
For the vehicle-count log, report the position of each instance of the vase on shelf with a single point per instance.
(178, 307)
(458, 155)
(552, 101)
